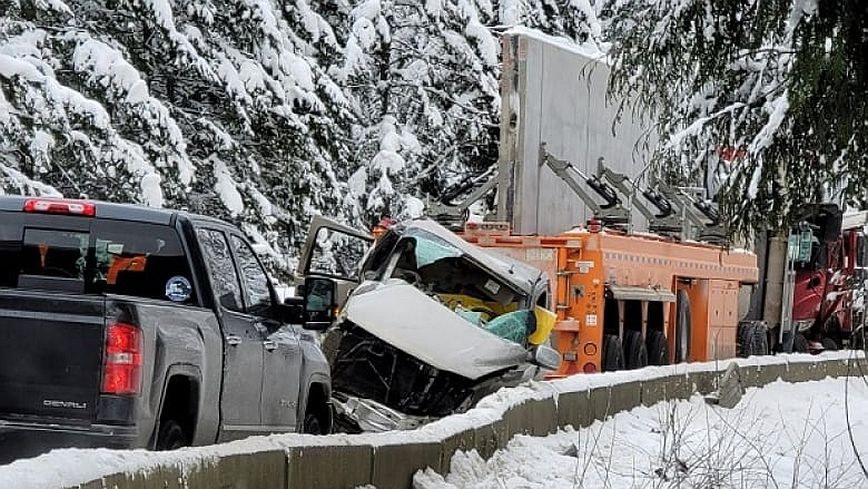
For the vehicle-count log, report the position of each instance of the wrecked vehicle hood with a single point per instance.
(406, 318)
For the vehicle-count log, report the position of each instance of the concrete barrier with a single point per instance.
(330, 466)
(390, 462)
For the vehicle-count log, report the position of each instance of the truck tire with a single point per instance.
(636, 351)
(753, 339)
(613, 354)
(658, 348)
(682, 327)
(318, 413)
(800, 343)
(171, 436)
(829, 344)
(858, 339)
(312, 425)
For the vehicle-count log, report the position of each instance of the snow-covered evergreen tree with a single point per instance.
(216, 106)
(764, 99)
(426, 77)
(258, 111)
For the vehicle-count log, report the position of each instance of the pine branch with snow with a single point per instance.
(764, 99)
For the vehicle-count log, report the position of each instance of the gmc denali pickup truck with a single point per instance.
(124, 326)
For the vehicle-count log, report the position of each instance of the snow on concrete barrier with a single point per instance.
(389, 460)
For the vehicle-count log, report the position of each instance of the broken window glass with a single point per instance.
(443, 271)
(337, 254)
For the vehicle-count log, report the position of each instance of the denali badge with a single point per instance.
(64, 404)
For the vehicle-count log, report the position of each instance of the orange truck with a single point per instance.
(626, 301)
(623, 299)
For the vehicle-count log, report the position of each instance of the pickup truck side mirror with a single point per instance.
(319, 303)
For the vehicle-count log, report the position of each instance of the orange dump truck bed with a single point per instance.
(624, 301)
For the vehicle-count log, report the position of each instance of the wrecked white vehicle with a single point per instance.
(431, 324)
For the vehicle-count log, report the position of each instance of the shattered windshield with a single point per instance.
(449, 276)
(430, 249)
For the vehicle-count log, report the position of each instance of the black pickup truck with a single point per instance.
(124, 326)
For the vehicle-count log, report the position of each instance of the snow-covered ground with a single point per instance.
(70, 467)
(784, 435)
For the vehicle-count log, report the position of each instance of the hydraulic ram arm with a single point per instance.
(610, 213)
(453, 214)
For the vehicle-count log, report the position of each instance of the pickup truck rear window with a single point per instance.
(111, 257)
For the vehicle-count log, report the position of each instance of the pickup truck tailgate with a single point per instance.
(50, 354)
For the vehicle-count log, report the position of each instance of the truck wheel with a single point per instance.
(858, 340)
(636, 351)
(682, 327)
(753, 339)
(742, 345)
(760, 340)
(658, 349)
(800, 343)
(613, 354)
(829, 344)
(171, 436)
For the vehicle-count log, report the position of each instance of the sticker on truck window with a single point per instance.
(178, 289)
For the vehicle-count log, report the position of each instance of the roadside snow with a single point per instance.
(70, 467)
(792, 435)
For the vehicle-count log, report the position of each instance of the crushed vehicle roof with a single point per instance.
(521, 275)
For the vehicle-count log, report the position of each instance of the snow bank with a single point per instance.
(777, 435)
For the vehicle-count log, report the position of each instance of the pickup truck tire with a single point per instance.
(318, 418)
(829, 344)
(171, 436)
(312, 425)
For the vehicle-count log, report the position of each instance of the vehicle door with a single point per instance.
(335, 251)
(281, 349)
(243, 338)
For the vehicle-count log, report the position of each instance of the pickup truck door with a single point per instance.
(243, 338)
(282, 357)
(335, 251)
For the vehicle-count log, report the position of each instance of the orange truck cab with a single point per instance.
(626, 301)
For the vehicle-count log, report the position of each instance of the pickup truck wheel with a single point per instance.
(312, 425)
(171, 436)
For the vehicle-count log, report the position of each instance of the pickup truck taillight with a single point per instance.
(122, 363)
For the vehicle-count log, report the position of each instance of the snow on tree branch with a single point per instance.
(760, 96)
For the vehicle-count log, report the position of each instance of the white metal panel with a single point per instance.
(557, 95)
